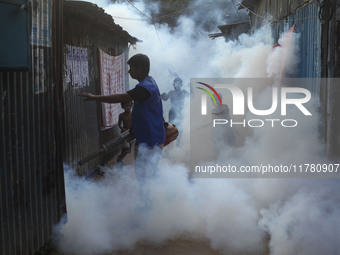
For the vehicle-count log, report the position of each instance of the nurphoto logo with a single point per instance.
(281, 99)
(259, 128)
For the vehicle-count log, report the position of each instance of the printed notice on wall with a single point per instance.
(41, 23)
(76, 68)
(112, 81)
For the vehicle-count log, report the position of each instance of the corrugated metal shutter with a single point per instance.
(32, 195)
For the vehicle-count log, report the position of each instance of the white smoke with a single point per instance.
(236, 216)
(107, 216)
(307, 222)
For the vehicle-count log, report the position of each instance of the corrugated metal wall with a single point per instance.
(309, 27)
(319, 52)
(32, 195)
(88, 27)
(306, 17)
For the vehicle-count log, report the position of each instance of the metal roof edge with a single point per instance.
(98, 15)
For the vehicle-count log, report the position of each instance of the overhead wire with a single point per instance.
(173, 14)
(159, 39)
(326, 11)
(245, 7)
(278, 20)
(118, 17)
(150, 18)
(138, 9)
(165, 16)
(236, 10)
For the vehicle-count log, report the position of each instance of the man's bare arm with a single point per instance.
(111, 99)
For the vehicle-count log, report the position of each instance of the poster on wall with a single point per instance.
(112, 81)
(41, 23)
(76, 67)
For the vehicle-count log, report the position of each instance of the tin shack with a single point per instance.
(95, 55)
(49, 52)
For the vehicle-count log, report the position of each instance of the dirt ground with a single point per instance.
(175, 247)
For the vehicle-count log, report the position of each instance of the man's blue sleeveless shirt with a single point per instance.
(147, 116)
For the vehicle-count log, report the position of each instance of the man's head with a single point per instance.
(139, 66)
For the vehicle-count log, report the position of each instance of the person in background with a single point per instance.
(177, 98)
(125, 124)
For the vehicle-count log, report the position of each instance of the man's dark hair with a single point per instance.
(140, 61)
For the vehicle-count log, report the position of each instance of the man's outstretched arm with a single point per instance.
(111, 99)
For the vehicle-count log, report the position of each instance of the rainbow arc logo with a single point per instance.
(209, 93)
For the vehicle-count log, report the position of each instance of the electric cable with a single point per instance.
(173, 14)
(278, 20)
(326, 8)
(165, 16)
(236, 10)
(138, 9)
